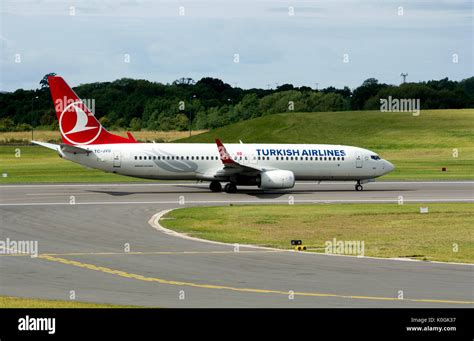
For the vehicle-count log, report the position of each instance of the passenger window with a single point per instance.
(135, 157)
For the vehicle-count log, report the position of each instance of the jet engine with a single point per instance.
(277, 179)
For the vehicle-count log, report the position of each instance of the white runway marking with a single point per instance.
(61, 194)
(104, 185)
(205, 184)
(285, 201)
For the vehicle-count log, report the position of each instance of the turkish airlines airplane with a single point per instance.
(267, 166)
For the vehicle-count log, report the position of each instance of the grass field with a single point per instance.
(419, 146)
(388, 230)
(17, 302)
(37, 164)
(19, 137)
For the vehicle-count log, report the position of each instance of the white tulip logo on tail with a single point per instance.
(77, 126)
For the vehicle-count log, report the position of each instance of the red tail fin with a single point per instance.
(77, 123)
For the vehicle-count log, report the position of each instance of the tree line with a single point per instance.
(210, 103)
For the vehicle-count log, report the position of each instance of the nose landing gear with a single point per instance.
(358, 187)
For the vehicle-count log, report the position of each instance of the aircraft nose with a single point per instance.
(388, 166)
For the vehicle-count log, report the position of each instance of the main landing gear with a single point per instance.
(230, 188)
(358, 187)
(216, 186)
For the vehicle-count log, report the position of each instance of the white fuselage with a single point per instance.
(185, 161)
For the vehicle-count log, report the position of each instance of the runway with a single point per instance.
(84, 232)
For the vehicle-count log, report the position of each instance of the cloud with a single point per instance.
(272, 46)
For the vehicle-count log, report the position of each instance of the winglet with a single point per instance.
(223, 154)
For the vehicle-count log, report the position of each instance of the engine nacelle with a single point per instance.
(277, 179)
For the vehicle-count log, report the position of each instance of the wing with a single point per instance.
(230, 167)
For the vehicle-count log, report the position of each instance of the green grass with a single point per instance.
(419, 146)
(37, 164)
(388, 230)
(17, 302)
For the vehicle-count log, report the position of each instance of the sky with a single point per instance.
(245, 43)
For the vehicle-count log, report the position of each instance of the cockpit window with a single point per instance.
(375, 157)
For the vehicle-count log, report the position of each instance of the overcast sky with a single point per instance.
(244, 43)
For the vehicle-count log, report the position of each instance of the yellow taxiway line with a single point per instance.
(236, 289)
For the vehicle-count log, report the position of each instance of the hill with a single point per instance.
(419, 146)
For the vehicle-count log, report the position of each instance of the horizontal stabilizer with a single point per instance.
(74, 149)
(47, 145)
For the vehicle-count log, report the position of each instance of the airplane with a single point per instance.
(266, 166)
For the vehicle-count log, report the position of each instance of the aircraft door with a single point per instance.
(117, 160)
(358, 161)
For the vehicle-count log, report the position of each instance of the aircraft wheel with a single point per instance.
(230, 188)
(359, 187)
(215, 186)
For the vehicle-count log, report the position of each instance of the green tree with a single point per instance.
(135, 124)
(181, 122)
(44, 81)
